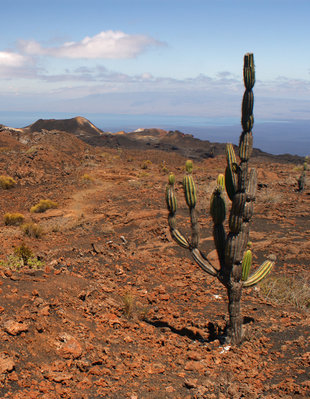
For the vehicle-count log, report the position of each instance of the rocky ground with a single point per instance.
(113, 308)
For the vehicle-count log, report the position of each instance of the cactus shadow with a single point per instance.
(212, 330)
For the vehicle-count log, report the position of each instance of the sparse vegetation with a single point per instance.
(163, 167)
(302, 178)
(287, 290)
(32, 149)
(146, 164)
(13, 219)
(7, 182)
(270, 197)
(86, 178)
(22, 257)
(32, 230)
(23, 252)
(43, 205)
(128, 305)
(143, 174)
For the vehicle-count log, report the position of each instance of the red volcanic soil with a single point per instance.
(117, 309)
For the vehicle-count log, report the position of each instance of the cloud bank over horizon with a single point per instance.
(95, 88)
(104, 45)
(153, 57)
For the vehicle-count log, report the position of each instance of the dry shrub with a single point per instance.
(32, 230)
(7, 182)
(143, 174)
(269, 196)
(128, 305)
(287, 290)
(146, 164)
(13, 219)
(163, 167)
(86, 178)
(43, 205)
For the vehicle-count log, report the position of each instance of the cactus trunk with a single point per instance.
(234, 291)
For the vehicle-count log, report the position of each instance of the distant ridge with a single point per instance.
(140, 139)
(79, 126)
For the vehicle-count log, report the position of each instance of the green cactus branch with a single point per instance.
(192, 244)
(240, 184)
(261, 272)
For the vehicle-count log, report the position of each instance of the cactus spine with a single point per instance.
(240, 184)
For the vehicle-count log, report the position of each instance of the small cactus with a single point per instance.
(189, 166)
(302, 178)
(233, 249)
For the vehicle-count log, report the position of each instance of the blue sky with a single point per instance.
(155, 57)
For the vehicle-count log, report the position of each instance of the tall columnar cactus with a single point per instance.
(302, 178)
(233, 248)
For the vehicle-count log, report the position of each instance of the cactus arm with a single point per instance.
(230, 175)
(191, 200)
(218, 213)
(261, 272)
(179, 238)
(246, 264)
(203, 262)
(172, 205)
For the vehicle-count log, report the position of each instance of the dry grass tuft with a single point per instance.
(13, 219)
(146, 164)
(7, 182)
(43, 205)
(86, 178)
(128, 305)
(287, 290)
(32, 230)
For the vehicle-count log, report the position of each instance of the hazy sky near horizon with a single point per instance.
(160, 57)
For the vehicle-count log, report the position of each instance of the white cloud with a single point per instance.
(14, 65)
(8, 59)
(105, 45)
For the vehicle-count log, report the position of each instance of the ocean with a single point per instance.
(273, 136)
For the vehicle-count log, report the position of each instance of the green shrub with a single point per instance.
(32, 230)
(43, 205)
(7, 182)
(13, 219)
(14, 262)
(23, 252)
